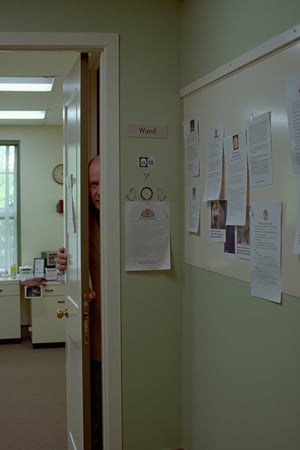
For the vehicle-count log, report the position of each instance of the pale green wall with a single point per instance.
(217, 31)
(149, 86)
(241, 365)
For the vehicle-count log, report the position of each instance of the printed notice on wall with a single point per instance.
(147, 235)
(193, 210)
(236, 176)
(191, 142)
(259, 150)
(214, 166)
(293, 110)
(265, 241)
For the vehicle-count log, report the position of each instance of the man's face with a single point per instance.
(94, 182)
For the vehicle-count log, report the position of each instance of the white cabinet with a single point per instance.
(46, 328)
(10, 309)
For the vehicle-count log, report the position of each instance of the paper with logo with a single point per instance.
(147, 235)
(265, 241)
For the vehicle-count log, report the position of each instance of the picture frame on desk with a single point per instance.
(33, 291)
(39, 267)
(50, 258)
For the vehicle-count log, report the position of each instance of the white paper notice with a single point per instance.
(191, 142)
(194, 210)
(296, 248)
(217, 220)
(293, 110)
(265, 230)
(236, 178)
(147, 236)
(259, 150)
(214, 155)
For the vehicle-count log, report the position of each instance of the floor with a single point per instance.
(33, 400)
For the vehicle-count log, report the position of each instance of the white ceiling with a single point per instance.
(35, 63)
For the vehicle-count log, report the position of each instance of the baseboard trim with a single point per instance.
(48, 345)
(11, 341)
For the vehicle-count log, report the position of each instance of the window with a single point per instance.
(8, 204)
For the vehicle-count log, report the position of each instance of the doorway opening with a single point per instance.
(107, 45)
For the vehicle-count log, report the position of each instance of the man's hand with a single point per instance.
(61, 260)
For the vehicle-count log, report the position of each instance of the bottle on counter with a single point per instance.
(13, 271)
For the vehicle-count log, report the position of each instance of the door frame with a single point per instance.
(108, 45)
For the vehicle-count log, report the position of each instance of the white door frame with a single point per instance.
(110, 222)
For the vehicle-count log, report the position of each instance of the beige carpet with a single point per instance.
(32, 401)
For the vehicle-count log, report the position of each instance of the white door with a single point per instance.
(75, 91)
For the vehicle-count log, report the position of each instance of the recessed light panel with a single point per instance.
(26, 84)
(20, 115)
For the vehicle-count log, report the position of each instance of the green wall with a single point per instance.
(216, 31)
(241, 364)
(241, 367)
(149, 86)
(240, 354)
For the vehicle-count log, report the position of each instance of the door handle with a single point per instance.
(60, 313)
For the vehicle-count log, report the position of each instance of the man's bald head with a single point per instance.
(94, 181)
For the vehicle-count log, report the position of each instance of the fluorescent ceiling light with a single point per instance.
(25, 84)
(19, 115)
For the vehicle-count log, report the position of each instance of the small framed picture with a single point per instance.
(51, 259)
(33, 291)
(39, 267)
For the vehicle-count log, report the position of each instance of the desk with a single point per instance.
(10, 309)
(46, 328)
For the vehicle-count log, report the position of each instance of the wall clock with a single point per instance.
(58, 174)
(146, 193)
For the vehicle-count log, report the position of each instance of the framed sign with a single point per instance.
(39, 266)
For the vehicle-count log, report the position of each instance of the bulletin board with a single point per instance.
(248, 86)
